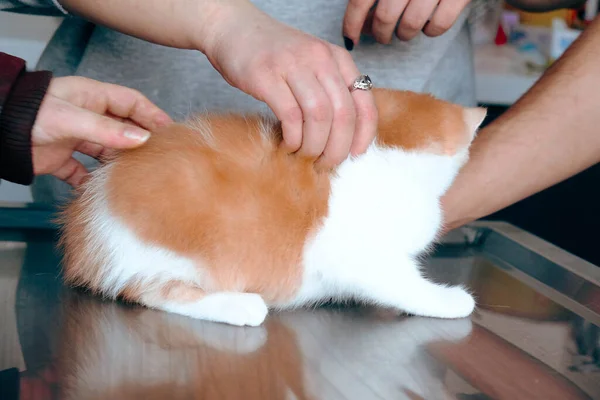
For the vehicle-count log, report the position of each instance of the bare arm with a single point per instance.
(184, 24)
(550, 134)
(303, 79)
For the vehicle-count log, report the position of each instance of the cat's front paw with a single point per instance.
(443, 302)
(242, 309)
(458, 303)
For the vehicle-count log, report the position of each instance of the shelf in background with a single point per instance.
(501, 74)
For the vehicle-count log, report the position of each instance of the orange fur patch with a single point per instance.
(415, 121)
(232, 201)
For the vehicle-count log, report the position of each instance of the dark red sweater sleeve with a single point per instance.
(21, 94)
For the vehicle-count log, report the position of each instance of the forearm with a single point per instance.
(185, 24)
(550, 134)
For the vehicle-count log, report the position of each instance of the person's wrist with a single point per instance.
(217, 20)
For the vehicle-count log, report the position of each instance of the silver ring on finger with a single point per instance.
(363, 82)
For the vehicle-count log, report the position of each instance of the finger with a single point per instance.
(414, 18)
(386, 18)
(444, 17)
(91, 149)
(284, 105)
(316, 110)
(73, 172)
(132, 105)
(34, 388)
(96, 151)
(104, 98)
(367, 28)
(59, 119)
(342, 131)
(354, 19)
(123, 120)
(364, 104)
(49, 375)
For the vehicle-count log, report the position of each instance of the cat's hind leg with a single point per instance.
(234, 308)
(405, 288)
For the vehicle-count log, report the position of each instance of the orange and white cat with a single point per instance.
(214, 220)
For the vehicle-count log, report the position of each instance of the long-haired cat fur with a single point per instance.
(214, 220)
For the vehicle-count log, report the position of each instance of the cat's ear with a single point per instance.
(474, 117)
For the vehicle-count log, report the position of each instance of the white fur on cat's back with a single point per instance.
(383, 212)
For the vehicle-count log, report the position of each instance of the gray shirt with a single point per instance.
(183, 81)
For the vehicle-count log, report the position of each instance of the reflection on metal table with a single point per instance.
(534, 335)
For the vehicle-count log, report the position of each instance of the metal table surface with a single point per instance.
(534, 335)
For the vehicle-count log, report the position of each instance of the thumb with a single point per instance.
(59, 119)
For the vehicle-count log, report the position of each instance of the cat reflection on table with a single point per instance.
(135, 353)
(214, 220)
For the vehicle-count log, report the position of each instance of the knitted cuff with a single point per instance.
(16, 122)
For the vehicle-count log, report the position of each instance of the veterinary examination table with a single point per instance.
(535, 333)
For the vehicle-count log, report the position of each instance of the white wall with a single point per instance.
(26, 36)
(23, 36)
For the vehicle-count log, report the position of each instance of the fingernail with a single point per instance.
(140, 136)
(348, 43)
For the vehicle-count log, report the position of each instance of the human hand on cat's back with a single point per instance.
(304, 80)
(94, 118)
(404, 18)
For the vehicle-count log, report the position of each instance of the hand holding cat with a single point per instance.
(303, 79)
(79, 114)
(405, 18)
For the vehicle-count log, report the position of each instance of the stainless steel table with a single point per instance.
(534, 335)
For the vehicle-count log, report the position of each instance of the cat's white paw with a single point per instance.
(241, 309)
(234, 308)
(441, 302)
(457, 303)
